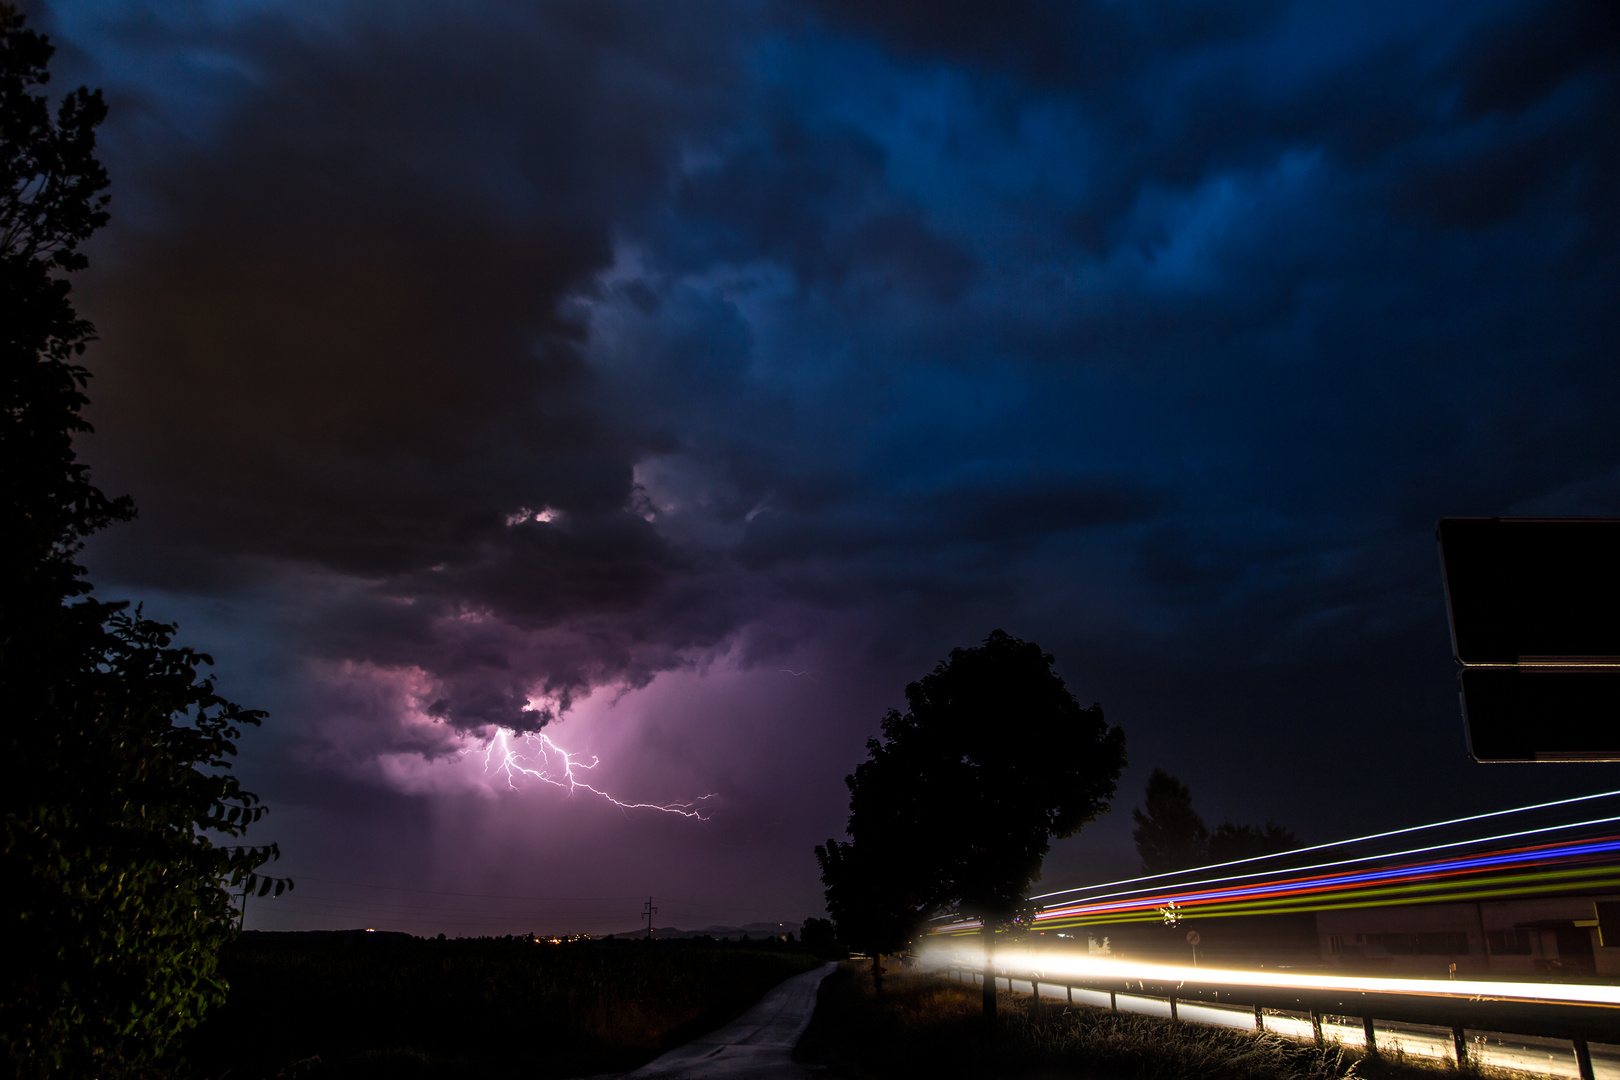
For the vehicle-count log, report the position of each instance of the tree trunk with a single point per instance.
(877, 973)
(988, 934)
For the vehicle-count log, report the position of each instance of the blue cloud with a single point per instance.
(1149, 331)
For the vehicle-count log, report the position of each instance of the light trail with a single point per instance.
(1539, 855)
(1287, 896)
(1520, 834)
(1024, 964)
(1490, 889)
(1355, 840)
(540, 758)
(1523, 870)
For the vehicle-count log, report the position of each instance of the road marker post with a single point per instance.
(1583, 1058)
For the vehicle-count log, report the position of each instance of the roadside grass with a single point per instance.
(341, 1006)
(926, 1026)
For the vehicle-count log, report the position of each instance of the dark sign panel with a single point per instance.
(1535, 714)
(1535, 622)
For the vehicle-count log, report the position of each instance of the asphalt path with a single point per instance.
(758, 1045)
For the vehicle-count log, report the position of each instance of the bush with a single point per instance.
(112, 895)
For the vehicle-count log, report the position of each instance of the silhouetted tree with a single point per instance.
(1229, 842)
(112, 899)
(818, 936)
(874, 906)
(992, 759)
(1169, 834)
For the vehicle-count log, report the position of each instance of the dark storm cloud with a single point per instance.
(1088, 44)
(549, 347)
(1521, 59)
(817, 200)
(1181, 90)
(1014, 513)
(339, 337)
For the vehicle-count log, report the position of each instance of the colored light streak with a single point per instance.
(1367, 839)
(1605, 878)
(1474, 842)
(1537, 856)
(1526, 870)
(1024, 964)
(540, 758)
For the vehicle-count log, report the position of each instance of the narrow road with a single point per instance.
(758, 1045)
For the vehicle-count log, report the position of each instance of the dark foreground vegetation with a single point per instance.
(924, 1026)
(354, 1004)
(121, 828)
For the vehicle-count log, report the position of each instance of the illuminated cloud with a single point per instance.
(482, 357)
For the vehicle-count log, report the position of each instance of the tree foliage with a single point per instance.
(958, 804)
(1170, 835)
(113, 898)
(1229, 842)
(1009, 761)
(873, 905)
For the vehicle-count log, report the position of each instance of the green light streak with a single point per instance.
(1429, 893)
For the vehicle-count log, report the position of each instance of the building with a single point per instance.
(1564, 935)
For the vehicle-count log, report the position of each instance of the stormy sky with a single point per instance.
(678, 381)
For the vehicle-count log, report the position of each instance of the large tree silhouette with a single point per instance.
(962, 797)
(112, 897)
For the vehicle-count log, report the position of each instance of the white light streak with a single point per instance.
(537, 756)
(1026, 964)
(1099, 897)
(1356, 840)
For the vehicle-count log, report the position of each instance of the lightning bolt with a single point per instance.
(538, 757)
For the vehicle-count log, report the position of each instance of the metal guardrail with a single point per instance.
(1578, 1023)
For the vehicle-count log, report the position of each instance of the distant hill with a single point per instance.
(754, 930)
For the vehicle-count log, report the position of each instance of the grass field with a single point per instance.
(374, 1005)
(927, 1027)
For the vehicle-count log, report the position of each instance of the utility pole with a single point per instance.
(649, 912)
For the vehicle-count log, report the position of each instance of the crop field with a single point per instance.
(355, 1004)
